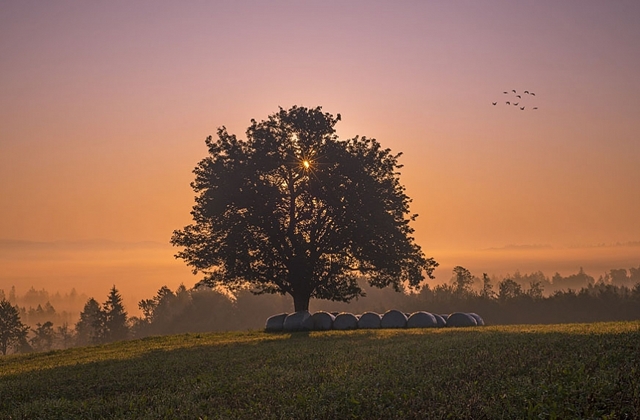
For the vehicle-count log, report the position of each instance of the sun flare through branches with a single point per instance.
(293, 209)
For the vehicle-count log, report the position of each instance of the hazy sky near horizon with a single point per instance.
(104, 108)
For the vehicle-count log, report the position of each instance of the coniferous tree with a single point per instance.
(12, 330)
(90, 327)
(115, 317)
(43, 338)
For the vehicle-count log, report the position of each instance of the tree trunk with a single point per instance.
(301, 301)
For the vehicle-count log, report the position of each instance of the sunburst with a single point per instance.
(309, 164)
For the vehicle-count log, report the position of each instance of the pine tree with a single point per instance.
(115, 317)
(90, 328)
(12, 330)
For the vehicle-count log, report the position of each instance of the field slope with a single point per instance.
(556, 371)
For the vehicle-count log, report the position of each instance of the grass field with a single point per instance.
(553, 371)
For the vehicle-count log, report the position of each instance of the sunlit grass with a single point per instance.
(562, 371)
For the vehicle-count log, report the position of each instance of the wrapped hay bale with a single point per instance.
(440, 320)
(393, 319)
(369, 320)
(461, 319)
(275, 322)
(298, 321)
(322, 321)
(422, 319)
(345, 321)
(478, 318)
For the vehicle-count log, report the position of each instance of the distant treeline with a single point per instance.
(515, 299)
(40, 306)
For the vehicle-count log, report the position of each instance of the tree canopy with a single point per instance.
(293, 209)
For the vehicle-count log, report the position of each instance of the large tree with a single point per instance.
(293, 209)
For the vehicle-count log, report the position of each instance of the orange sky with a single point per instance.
(104, 108)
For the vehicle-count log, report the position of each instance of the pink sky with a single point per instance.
(104, 108)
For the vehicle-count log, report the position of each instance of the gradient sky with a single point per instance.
(104, 108)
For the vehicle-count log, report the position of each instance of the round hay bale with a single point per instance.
(440, 320)
(345, 321)
(275, 322)
(393, 319)
(422, 319)
(322, 321)
(461, 319)
(478, 318)
(369, 320)
(298, 321)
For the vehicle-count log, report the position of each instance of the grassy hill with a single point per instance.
(556, 371)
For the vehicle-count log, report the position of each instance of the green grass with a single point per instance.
(557, 371)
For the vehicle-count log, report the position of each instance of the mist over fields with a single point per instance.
(139, 269)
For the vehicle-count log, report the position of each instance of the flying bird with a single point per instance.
(521, 108)
(514, 91)
(494, 103)
(505, 92)
(508, 103)
(516, 103)
(535, 107)
(533, 94)
(526, 91)
(518, 96)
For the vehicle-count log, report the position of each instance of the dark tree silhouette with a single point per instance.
(90, 327)
(487, 288)
(43, 338)
(12, 330)
(115, 317)
(619, 277)
(462, 280)
(509, 289)
(294, 210)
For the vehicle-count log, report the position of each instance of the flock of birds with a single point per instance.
(517, 100)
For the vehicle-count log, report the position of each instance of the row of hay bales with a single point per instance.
(319, 321)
